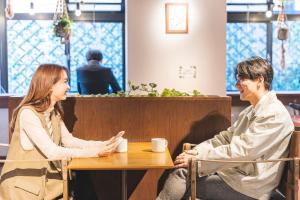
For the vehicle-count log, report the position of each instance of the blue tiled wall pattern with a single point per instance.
(243, 41)
(249, 39)
(31, 42)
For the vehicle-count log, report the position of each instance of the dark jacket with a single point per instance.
(95, 79)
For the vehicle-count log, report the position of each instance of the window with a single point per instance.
(105, 36)
(30, 41)
(243, 40)
(287, 79)
(30, 44)
(250, 33)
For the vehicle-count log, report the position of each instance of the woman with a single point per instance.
(39, 133)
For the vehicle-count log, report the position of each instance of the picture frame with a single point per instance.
(176, 17)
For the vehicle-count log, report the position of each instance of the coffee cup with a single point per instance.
(122, 147)
(159, 144)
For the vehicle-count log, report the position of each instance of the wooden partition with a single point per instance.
(178, 119)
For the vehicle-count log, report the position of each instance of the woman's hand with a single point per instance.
(109, 147)
(182, 159)
(114, 138)
(110, 141)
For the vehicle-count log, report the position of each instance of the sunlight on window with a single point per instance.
(243, 41)
(106, 37)
(30, 44)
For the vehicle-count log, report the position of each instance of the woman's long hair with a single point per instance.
(40, 90)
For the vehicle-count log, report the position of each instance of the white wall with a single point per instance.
(154, 56)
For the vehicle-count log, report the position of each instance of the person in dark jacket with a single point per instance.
(93, 78)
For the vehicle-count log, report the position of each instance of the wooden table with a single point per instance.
(138, 157)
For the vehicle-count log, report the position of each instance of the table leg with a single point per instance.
(65, 181)
(124, 185)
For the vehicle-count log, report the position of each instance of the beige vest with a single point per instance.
(31, 180)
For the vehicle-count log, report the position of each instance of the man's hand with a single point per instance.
(183, 158)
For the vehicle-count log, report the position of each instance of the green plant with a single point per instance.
(132, 88)
(62, 26)
(121, 94)
(173, 93)
(196, 93)
(153, 92)
(148, 90)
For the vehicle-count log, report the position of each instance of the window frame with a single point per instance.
(241, 17)
(103, 16)
(259, 17)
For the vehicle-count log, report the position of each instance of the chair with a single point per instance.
(64, 171)
(291, 184)
(296, 115)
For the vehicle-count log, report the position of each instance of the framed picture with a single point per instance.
(176, 17)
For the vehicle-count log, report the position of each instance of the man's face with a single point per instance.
(248, 88)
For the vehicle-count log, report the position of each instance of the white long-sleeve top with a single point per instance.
(32, 133)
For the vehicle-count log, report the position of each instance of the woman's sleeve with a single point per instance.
(38, 136)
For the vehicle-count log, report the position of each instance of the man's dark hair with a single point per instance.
(253, 68)
(94, 55)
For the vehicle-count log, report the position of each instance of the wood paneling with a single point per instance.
(3, 101)
(178, 119)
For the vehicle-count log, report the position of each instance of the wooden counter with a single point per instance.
(3, 100)
(178, 119)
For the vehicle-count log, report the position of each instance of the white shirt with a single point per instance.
(32, 133)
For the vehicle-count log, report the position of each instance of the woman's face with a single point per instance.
(248, 89)
(60, 89)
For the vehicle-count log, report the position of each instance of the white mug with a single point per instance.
(159, 144)
(122, 147)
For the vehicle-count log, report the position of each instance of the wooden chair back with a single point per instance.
(292, 182)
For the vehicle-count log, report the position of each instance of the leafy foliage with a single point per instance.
(148, 90)
(62, 26)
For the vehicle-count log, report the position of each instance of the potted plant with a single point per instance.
(62, 27)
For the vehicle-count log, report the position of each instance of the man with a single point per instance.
(261, 132)
(94, 78)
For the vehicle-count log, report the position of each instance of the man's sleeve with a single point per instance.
(262, 134)
(78, 84)
(113, 82)
(223, 138)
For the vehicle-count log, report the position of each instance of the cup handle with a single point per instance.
(166, 143)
